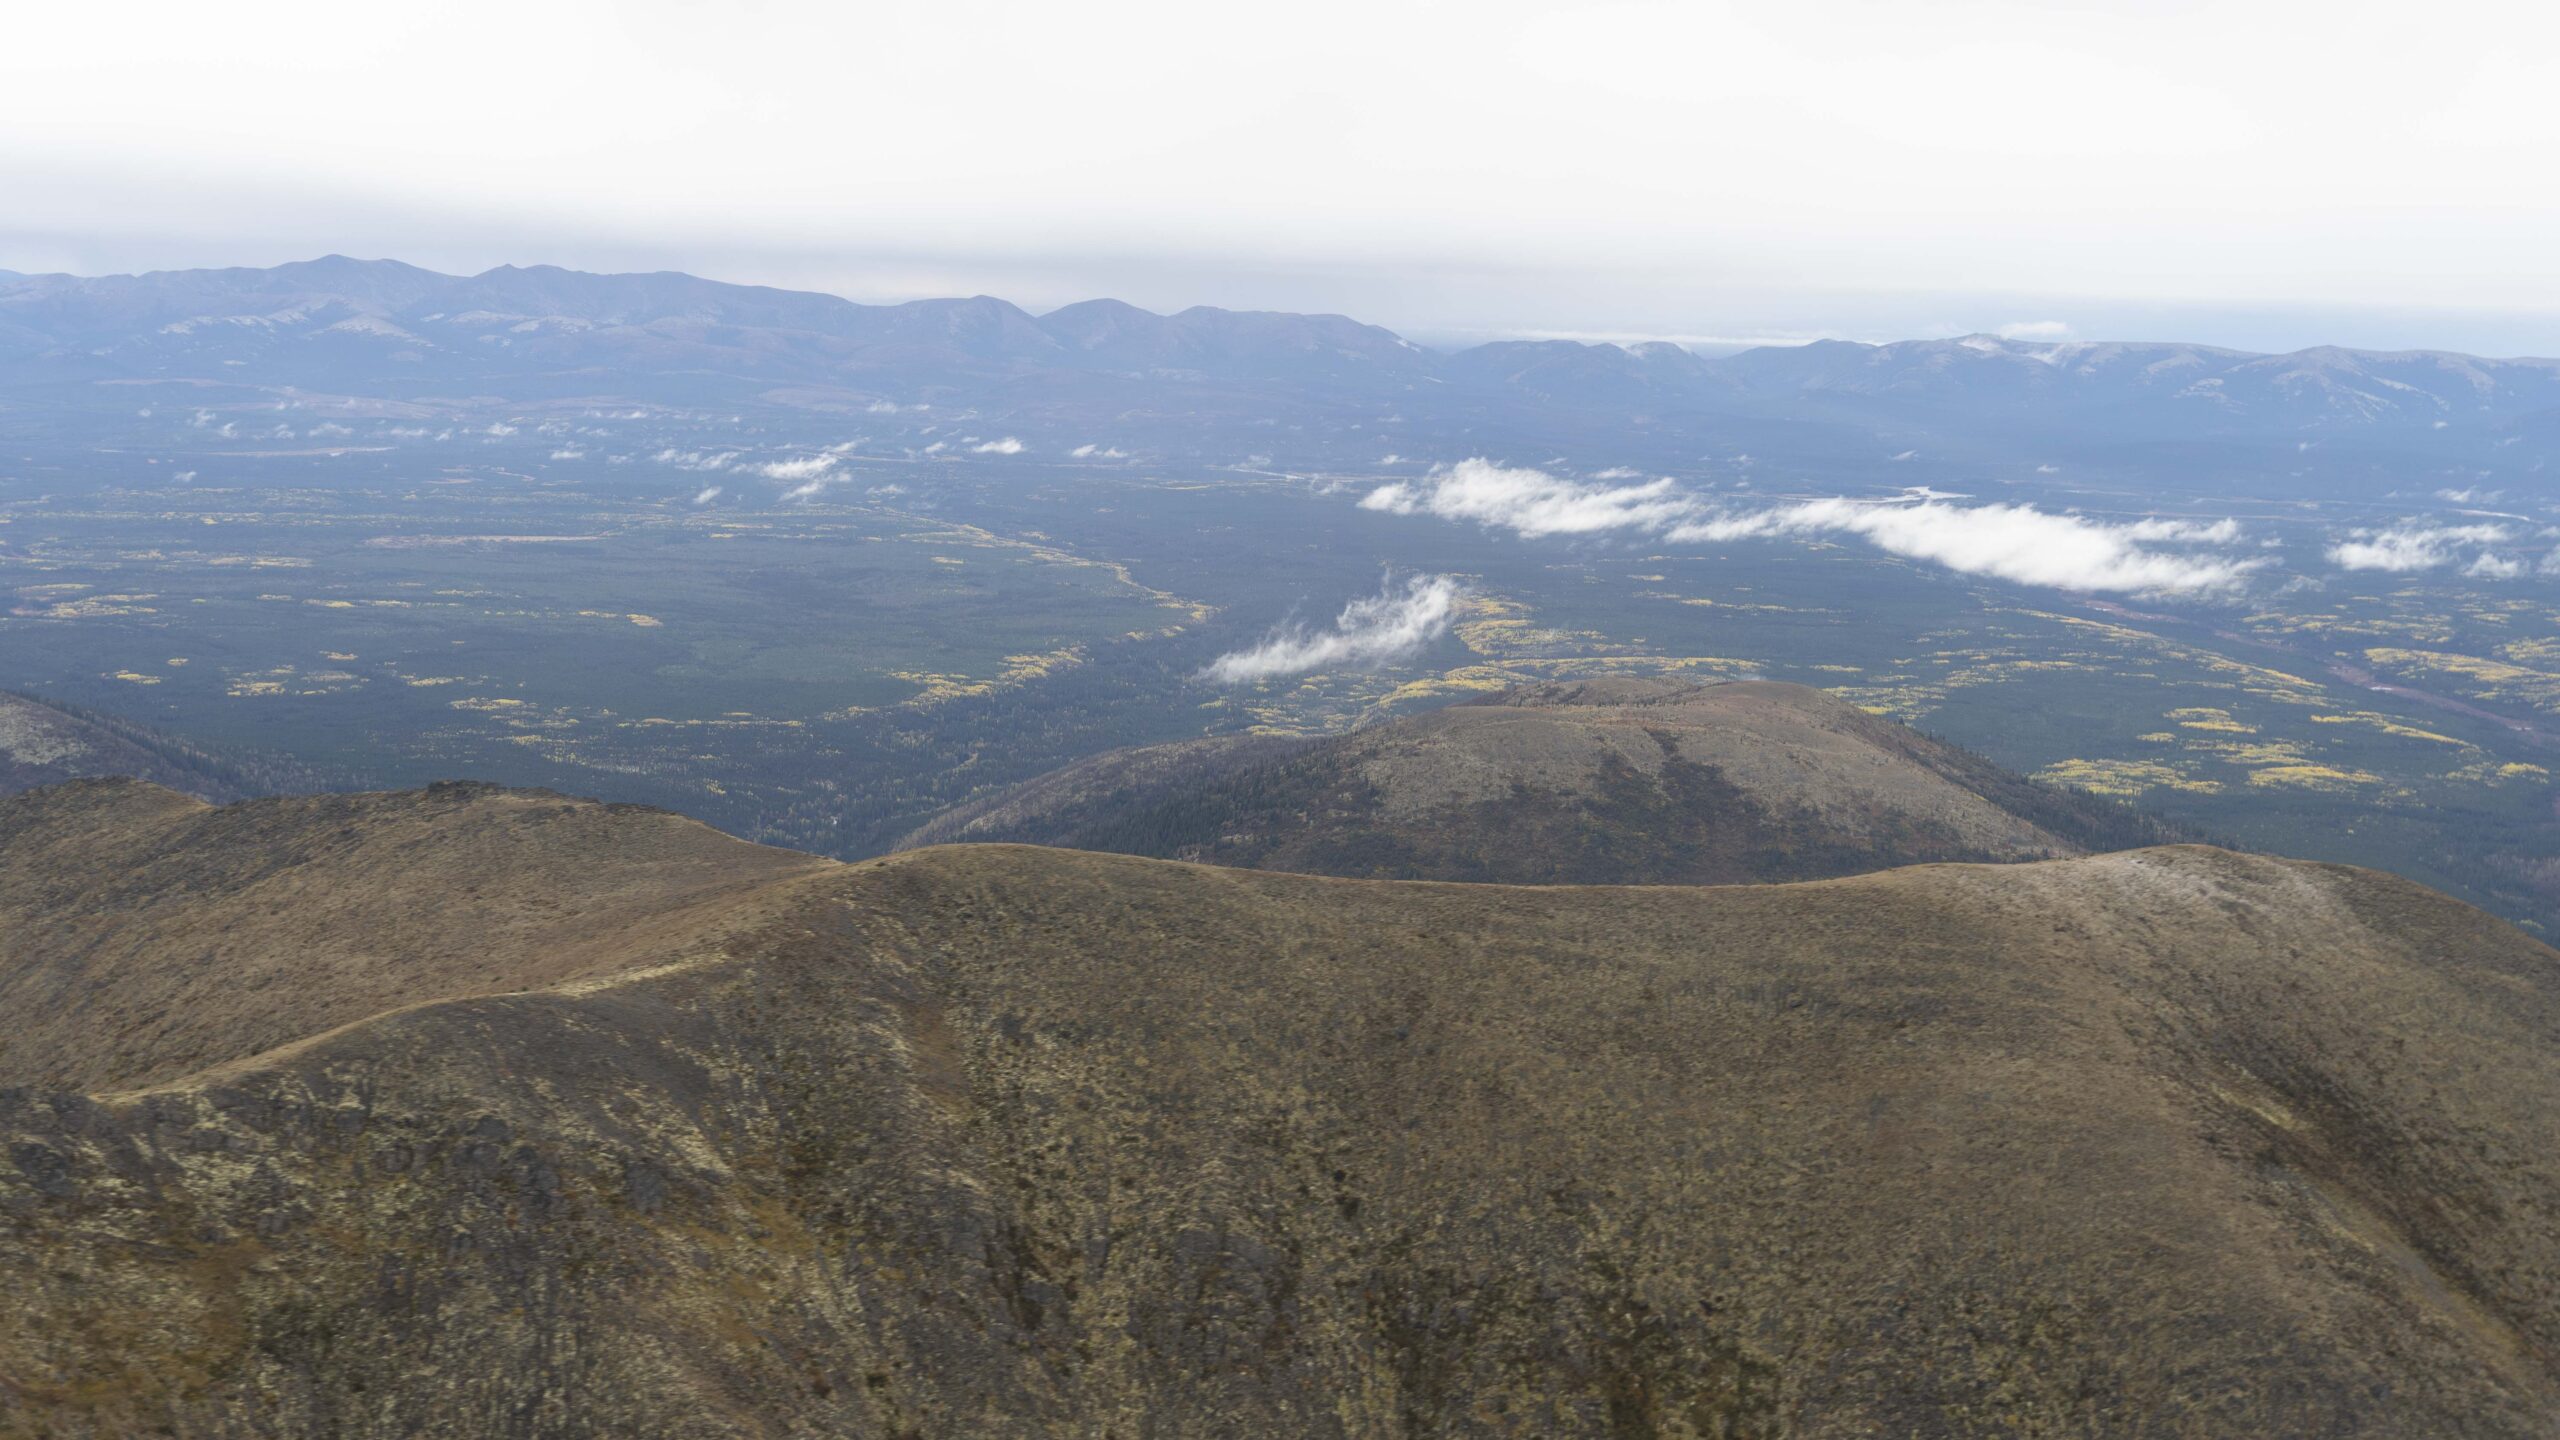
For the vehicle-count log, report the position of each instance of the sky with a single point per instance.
(2261, 173)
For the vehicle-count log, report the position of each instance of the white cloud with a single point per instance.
(499, 428)
(2010, 542)
(706, 495)
(2220, 532)
(2408, 548)
(2488, 565)
(2036, 330)
(1378, 629)
(696, 459)
(810, 467)
(1098, 452)
(2473, 495)
(1532, 502)
(1006, 446)
(568, 452)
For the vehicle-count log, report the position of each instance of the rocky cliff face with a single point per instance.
(1001, 1140)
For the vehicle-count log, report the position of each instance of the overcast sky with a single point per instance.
(2255, 172)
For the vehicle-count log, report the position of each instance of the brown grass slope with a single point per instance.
(995, 1140)
(1582, 782)
(145, 935)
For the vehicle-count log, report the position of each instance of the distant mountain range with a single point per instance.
(380, 326)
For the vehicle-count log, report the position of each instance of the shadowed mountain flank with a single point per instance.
(1582, 782)
(1010, 1140)
(46, 743)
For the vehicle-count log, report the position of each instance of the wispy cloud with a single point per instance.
(2009, 542)
(696, 459)
(2220, 532)
(809, 467)
(1098, 452)
(1379, 629)
(706, 495)
(2407, 548)
(1006, 446)
(1532, 502)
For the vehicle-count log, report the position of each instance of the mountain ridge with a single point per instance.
(1618, 781)
(384, 319)
(985, 1138)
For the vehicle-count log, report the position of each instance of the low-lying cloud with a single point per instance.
(1006, 446)
(1381, 629)
(696, 459)
(807, 468)
(2404, 549)
(1533, 503)
(2008, 542)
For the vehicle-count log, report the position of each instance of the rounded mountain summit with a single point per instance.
(1617, 781)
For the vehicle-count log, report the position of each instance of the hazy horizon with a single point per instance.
(2270, 331)
(2267, 178)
